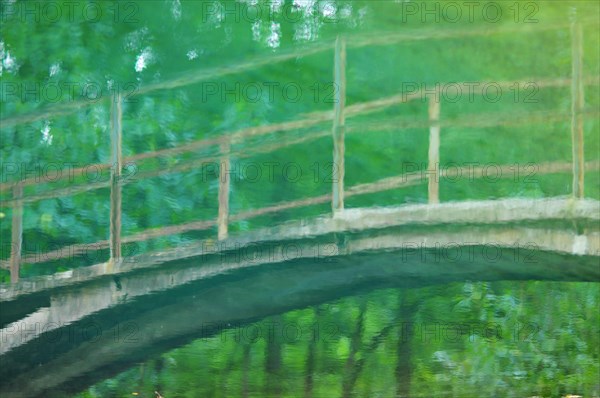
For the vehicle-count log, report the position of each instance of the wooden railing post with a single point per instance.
(16, 234)
(224, 181)
(433, 187)
(115, 178)
(337, 203)
(577, 103)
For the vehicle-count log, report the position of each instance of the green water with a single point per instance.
(361, 339)
(501, 339)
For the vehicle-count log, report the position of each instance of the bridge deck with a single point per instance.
(513, 221)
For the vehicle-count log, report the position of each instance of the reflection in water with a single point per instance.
(461, 339)
(362, 325)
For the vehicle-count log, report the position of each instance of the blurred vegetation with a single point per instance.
(498, 339)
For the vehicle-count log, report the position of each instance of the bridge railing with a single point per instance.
(337, 117)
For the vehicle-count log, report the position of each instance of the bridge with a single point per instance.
(572, 208)
(508, 238)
